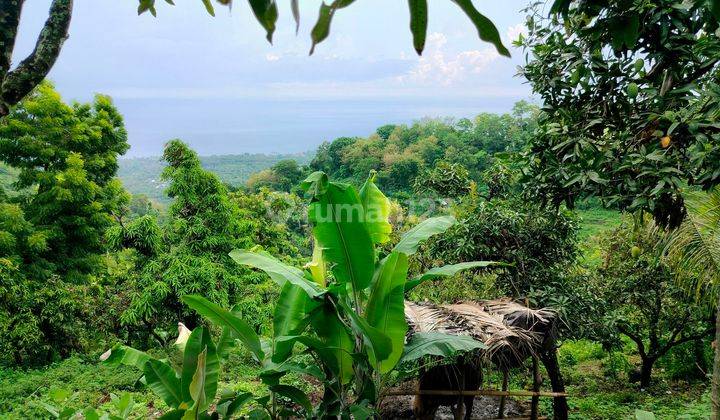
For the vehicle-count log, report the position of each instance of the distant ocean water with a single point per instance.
(218, 127)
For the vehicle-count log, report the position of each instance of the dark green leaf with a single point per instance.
(295, 395)
(486, 29)
(266, 13)
(418, 23)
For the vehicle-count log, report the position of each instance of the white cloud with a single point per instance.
(437, 67)
(513, 32)
(272, 57)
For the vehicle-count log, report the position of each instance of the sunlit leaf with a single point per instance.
(386, 307)
(411, 240)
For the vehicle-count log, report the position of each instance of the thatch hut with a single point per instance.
(512, 332)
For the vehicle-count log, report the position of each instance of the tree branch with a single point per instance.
(31, 71)
(636, 338)
(9, 22)
(685, 339)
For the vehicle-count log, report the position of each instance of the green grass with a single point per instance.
(593, 224)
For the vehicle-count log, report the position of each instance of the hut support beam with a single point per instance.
(552, 366)
(537, 379)
(501, 413)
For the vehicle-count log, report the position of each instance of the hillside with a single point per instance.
(142, 175)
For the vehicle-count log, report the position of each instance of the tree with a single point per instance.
(539, 243)
(203, 226)
(641, 299)
(695, 248)
(52, 228)
(444, 180)
(282, 176)
(630, 103)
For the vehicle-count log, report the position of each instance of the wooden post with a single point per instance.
(536, 388)
(501, 413)
(560, 405)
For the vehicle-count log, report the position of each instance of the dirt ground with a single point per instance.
(400, 407)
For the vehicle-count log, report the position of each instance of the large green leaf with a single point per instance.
(160, 377)
(198, 343)
(198, 384)
(227, 338)
(446, 271)
(125, 355)
(410, 241)
(486, 29)
(228, 408)
(377, 210)
(418, 23)
(295, 395)
(336, 339)
(328, 355)
(279, 272)
(290, 317)
(386, 307)
(224, 318)
(438, 344)
(338, 219)
(266, 13)
(377, 342)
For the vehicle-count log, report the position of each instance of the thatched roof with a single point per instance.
(511, 331)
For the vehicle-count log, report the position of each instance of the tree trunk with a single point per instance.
(716, 368)
(16, 84)
(646, 371)
(560, 405)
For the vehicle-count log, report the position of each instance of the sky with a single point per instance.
(216, 83)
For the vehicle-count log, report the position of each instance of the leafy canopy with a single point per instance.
(631, 102)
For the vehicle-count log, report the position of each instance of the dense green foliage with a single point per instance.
(350, 298)
(190, 253)
(401, 153)
(51, 234)
(630, 103)
(642, 299)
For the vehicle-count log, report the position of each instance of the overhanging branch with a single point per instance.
(32, 70)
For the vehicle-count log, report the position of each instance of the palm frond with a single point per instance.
(693, 249)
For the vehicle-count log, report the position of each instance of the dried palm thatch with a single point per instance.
(512, 332)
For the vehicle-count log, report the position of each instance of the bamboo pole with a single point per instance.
(485, 392)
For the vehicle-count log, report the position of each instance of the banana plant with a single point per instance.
(346, 307)
(190, 388)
